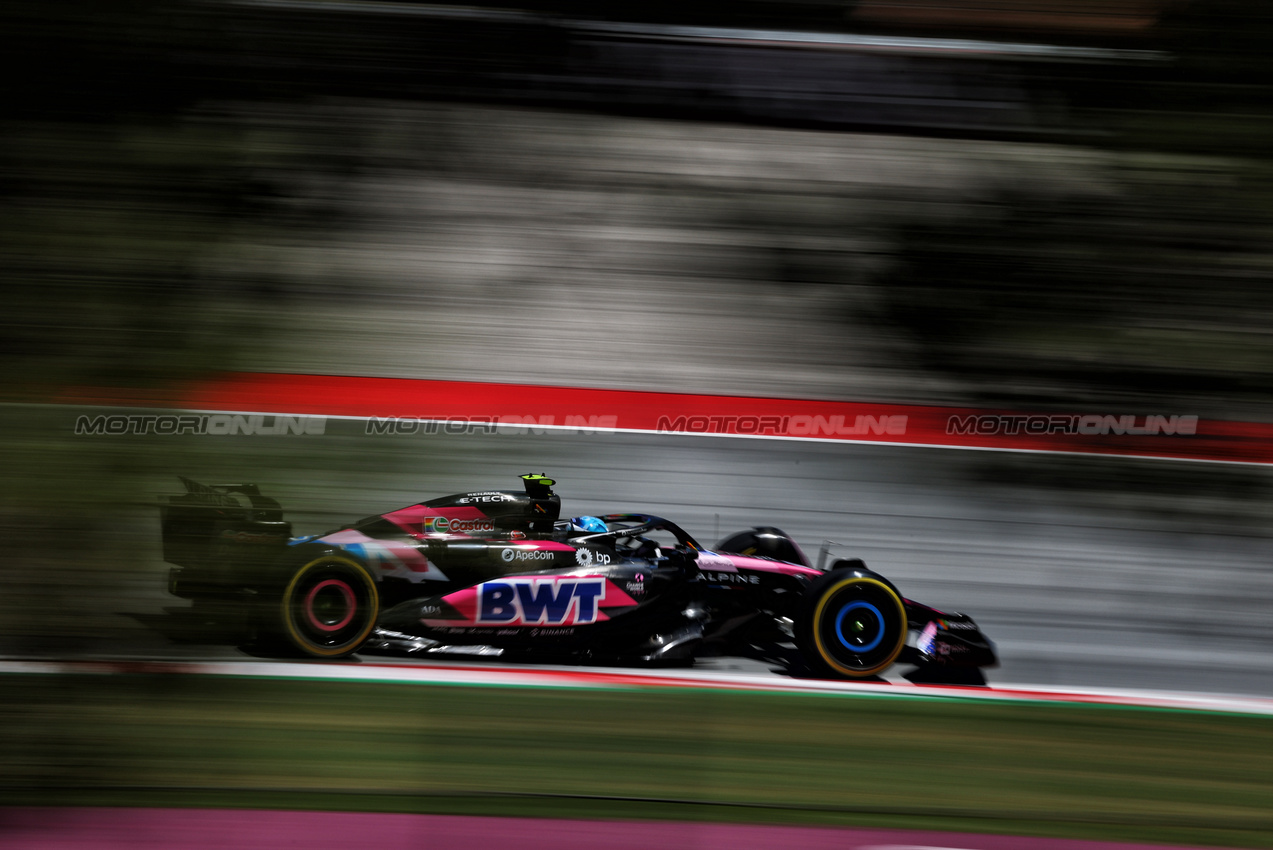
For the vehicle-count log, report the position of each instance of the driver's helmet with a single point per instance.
(587, 525)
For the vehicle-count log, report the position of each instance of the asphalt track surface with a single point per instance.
(206, 829)
(1078, 590)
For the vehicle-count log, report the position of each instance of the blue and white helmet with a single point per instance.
(588, 525)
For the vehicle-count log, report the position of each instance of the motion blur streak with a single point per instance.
(1174, 436)
(196, 829)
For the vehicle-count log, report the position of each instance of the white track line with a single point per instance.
(587, 678)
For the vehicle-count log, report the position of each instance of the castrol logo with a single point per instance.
(443, 525)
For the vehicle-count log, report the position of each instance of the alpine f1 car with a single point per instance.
(496, 572)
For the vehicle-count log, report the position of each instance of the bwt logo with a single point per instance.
(540, 601)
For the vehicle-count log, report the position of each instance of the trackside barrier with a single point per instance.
(389, 403)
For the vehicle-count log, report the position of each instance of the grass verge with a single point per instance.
(1058, 770)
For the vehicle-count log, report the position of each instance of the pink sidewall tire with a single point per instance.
(328, 606)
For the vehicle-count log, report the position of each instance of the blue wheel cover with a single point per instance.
(839, 622)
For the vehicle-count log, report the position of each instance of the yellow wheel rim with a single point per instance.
(300, 640)
(820, 610)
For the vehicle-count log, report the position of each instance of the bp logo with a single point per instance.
(587, 558)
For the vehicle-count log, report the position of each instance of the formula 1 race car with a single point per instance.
(496, 572)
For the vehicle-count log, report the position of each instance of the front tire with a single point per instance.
(853, 625)
(329, 606)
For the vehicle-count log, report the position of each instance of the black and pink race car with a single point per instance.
(499, 573)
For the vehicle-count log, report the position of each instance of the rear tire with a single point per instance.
(329, 606)
(853, 625)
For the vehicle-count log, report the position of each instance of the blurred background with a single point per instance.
(1034, 203)
(1053, 205)
(1048, 206)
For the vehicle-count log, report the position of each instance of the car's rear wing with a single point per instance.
(221, 521)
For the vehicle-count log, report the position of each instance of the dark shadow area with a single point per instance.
(200, 624)
(935, 675)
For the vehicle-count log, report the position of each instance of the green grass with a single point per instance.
(1078, 771)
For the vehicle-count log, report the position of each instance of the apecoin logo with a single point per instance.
(510, 555)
